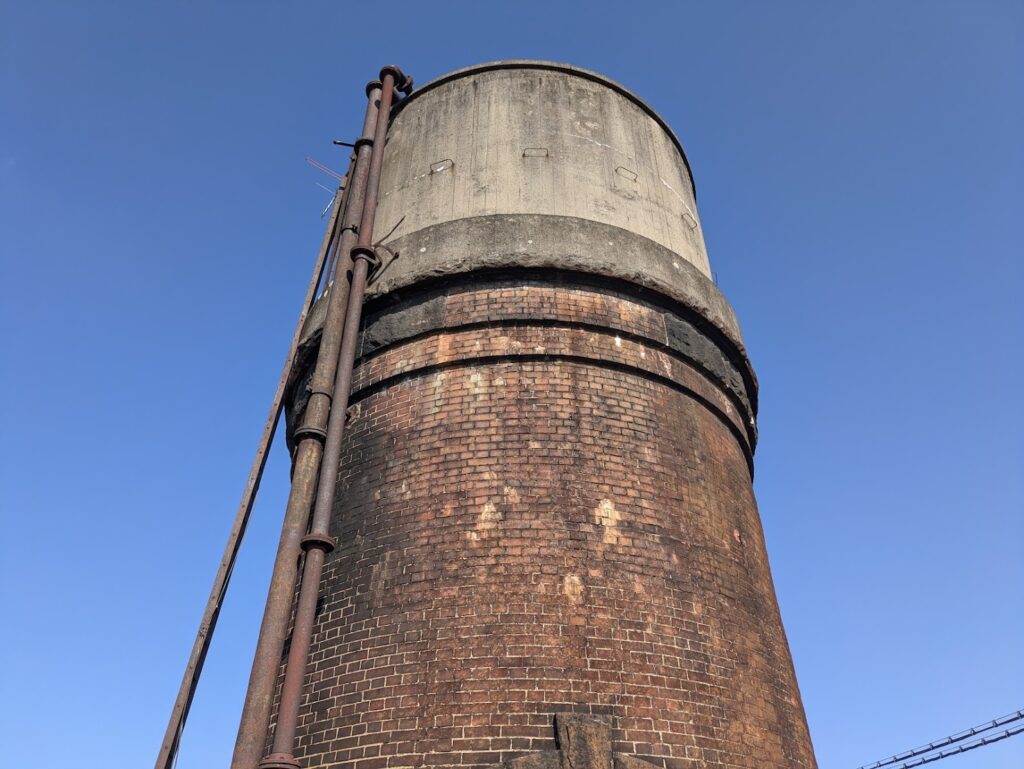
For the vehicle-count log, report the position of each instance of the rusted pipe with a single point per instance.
(309, 437)
(318, 542)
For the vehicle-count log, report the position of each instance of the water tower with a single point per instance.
(541, 547)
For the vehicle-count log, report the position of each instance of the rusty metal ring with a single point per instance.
(310, 431)
(322, 541)
(363, 141)
(372, 86)
(279, 761)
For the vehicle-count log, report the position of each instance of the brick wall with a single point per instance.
(545, 506)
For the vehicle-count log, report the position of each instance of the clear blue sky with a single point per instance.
(861, 181)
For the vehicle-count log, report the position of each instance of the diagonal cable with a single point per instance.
(979, 743)
(952, 739)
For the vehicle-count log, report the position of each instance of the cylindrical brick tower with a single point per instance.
(549, 553)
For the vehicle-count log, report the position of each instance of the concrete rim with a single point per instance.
(555, 66)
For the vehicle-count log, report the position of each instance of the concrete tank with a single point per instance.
(545, 516)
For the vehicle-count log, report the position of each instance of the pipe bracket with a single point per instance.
(367, 253)
(363, 141)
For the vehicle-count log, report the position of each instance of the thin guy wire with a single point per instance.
(963, 748)
(953, 738)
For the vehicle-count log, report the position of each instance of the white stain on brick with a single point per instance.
(607, 516)
(486, 522)
(572, 588)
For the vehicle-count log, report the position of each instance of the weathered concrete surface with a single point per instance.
(524, 140)
(546, 241)
(536, 242)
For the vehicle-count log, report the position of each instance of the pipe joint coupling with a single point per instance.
(329, 394)
(318, 541)
(310, 431)
(363, 141)
(279, 761)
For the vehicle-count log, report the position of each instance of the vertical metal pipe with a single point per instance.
(318, 542)
(256, 710)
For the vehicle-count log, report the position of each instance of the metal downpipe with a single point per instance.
(310, 437)
(318, 542)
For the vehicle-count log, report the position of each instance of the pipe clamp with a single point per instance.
(367, 253)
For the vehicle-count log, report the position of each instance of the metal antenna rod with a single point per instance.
(194, 668)
(333, 252)
(325, 169)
